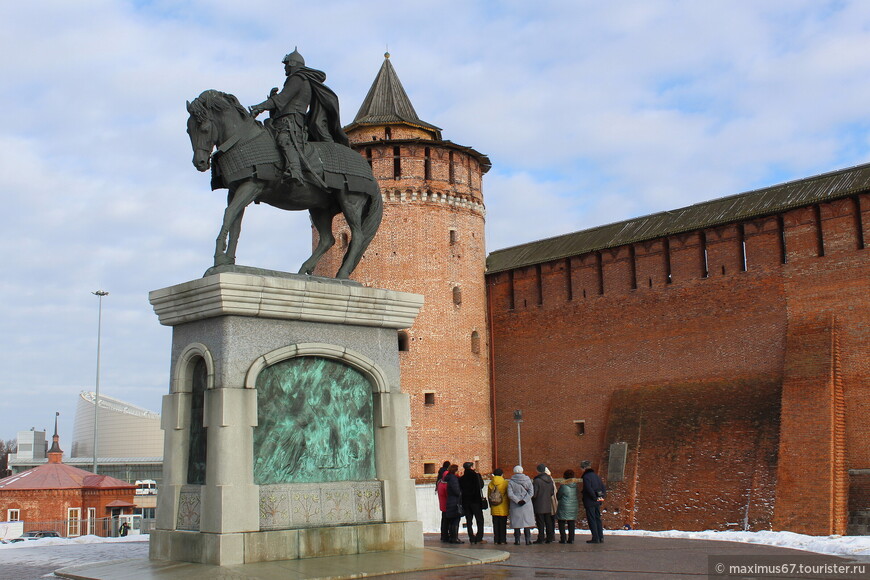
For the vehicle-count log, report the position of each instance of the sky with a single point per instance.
(591, 112)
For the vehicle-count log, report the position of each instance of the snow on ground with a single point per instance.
(836, 545)
(72, 541)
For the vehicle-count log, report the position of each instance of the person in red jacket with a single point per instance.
(441, 490)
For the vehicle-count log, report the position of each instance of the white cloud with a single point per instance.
(590, 112)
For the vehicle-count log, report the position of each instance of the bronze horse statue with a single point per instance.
(247, 162)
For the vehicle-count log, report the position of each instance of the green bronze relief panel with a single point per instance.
(315, 423)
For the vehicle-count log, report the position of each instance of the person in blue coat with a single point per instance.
(593, 495)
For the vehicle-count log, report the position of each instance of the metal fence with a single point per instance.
(103, 527)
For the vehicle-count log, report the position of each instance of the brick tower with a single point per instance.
(431, 242)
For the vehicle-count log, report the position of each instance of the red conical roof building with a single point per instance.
(55, 492)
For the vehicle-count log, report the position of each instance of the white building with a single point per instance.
(124, 430)
(32, 446)
(130, 442)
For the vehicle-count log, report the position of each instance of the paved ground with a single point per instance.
(623, 557)
(42, 561)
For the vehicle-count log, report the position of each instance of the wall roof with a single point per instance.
(743, 206)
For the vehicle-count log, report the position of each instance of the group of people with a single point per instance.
(460, 495)
(528, 503)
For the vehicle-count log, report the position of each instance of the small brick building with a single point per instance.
(62, 498)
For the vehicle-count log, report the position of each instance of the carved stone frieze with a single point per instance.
(304, 505)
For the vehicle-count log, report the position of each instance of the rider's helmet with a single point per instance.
(294, 58)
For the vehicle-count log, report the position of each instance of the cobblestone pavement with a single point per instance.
(41, 561)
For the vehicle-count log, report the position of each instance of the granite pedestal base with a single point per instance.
(270, 546)
(228, 328)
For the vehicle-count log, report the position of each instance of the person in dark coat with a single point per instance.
(472, 485)
(442, 470)
(593, 494)
(453, 507)
(545, 490)
(569, 504)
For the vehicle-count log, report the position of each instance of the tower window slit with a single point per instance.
(475, 342)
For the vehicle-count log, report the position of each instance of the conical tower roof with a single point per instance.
(387, 103)
(55, 454)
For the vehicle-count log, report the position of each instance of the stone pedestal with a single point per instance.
(228, 328)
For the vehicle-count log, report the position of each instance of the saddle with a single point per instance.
(256, 155)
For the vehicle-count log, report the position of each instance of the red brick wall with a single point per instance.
(810, 414)
(561, 361)
(689, 444)
(650, 263)
(41, 505)
(763, 243)
(859, 491)
(564, 350)
(51, 505)
(684, 254)
(828, 364)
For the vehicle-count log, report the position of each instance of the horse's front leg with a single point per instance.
(233, 242)
(238, 200)
(220, 245)
(225, 251)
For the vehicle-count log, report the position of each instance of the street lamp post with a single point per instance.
(99, 294)
(518, 418)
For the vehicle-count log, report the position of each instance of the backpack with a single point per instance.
(495, 497)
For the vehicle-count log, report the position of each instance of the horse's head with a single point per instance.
(201, 130)
(207, 123)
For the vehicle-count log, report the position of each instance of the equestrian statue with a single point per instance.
(299, 159)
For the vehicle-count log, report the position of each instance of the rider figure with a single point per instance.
(304, 109)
